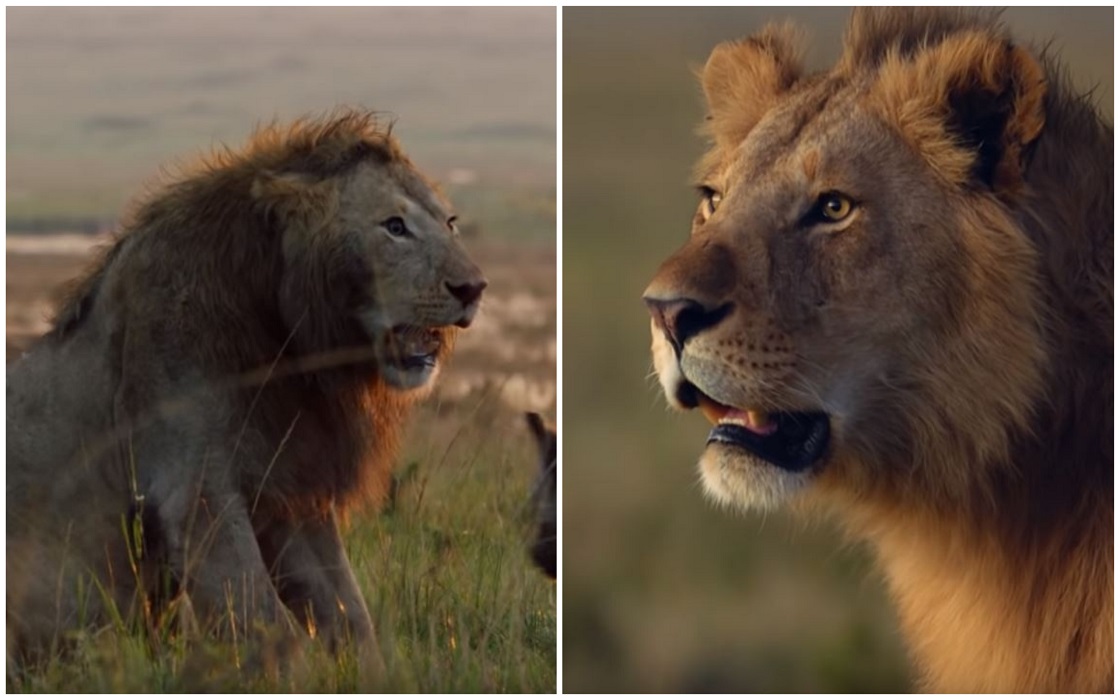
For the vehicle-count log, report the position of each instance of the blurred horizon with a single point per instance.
(101, 99)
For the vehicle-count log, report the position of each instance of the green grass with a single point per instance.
(456, 603)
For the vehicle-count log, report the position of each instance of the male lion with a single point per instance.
(228, 383)
(896, 303)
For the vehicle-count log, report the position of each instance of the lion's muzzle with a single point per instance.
(695, 360)
(682, 318)
(469, 295)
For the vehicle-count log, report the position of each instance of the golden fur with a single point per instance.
(228, 383)
(954, 325)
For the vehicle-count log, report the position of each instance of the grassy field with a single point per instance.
(100, 99)
(662, 591)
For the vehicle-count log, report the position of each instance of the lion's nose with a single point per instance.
(681, 318)
(467, 293)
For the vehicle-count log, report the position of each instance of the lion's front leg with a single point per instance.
(220, 565)
(315, 580)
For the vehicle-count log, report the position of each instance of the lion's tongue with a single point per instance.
(754, 421)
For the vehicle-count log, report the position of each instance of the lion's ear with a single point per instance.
(537, 427)
(971, 105)
(743, 79)
(296, 195)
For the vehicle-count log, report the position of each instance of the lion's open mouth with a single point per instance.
(414, 347)
(793, 441)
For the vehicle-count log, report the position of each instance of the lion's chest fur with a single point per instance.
(984, 615)
(318, 448)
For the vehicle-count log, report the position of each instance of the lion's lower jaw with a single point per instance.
(416, 380)
(736, 479)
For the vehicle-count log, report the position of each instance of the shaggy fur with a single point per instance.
(543, 548)
(956, 327)
(218, 388)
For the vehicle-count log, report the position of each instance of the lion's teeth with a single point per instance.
(713, 411)
(755, 421)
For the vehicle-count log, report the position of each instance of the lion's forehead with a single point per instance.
(425, 194)
(805, 130)
(396, 187)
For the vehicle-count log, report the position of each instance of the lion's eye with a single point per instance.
(451, 222)
(711, 201)
(833, 207)
(395, 226)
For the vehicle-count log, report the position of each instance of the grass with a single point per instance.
(456, 603)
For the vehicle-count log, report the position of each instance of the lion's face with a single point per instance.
(384, 247)
(830, 266)
(421, 282)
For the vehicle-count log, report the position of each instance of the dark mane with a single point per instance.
(284, 347)
(212, 197)
(322, 147)
(873, 33)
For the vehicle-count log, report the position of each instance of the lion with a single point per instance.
(228, 384)
(543, 548)
(895, 305)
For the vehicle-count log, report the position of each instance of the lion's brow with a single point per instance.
(809, 109)
(427, 198)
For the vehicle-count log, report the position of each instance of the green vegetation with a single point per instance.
(457, 605)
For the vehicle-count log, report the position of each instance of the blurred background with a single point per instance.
(101, 101)
(663, 591)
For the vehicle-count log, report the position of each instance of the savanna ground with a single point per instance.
(456, 603)
(664, 592)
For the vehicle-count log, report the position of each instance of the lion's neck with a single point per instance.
(340, 436)
(985, 598)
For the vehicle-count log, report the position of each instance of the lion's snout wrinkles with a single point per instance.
(690, 293)
(703, 270)
(722, 336)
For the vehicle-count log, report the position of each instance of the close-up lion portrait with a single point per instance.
(228, 383)
(872, 449)
(895, 305)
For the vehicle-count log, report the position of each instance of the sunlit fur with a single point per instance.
(956, 327)
(219, 381)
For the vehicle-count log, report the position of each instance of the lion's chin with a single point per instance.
(734, 477)
(415, 378)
